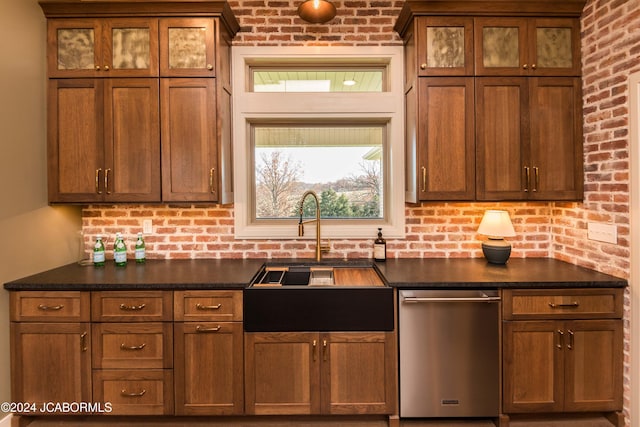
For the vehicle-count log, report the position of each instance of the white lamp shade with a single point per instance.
(496, 224)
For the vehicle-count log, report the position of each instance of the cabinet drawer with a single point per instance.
(135, 392)
(132, 345)
(131, 306)
(208, 305)
(601, 303)
(37, 306)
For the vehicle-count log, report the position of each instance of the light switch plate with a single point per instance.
(147, 226)
(601, 232)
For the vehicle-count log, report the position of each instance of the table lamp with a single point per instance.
(496, 225)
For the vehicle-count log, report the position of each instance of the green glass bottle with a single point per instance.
(120, 251)
(140, 250)
(98, 253)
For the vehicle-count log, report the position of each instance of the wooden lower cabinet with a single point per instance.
(135, 391)
(50, 362)
(319, 373)
(208, 368)
(562, 359)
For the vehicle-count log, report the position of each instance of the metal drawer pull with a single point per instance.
(50, 307)
(83, 342)
(124, 393)
(201, 329)
(560, 339)
(324, 350)
(574, 304)
(132, 307)
(452, 299)
(132, 348)
(570, 346)
(208, 307)
(315, 351)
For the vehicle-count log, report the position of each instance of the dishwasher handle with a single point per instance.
(414, 300)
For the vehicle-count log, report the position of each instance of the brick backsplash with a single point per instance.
(434, 230)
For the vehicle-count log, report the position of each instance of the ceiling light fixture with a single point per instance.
(317, 11)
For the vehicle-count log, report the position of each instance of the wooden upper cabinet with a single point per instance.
(123, 47)
(527, 46)
(104, 141)
(189, 142)
(445, 139)
(445, 46)
(187, 47)
(529, 138)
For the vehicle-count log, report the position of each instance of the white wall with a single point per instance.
(33, 236)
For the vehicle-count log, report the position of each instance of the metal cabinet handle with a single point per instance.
(533, 66)
(525, 66)
(527, 177)
(324, 350)
(560, 339)
(106, 181)
(574, 304)
(106, 68)
(124, 393)
(133, 347)
(211, 173)
(83, 342)
(536, 178)
(209, 67)
(208, 307)
(98, 171)
(424, 179)
(97, 68)
(315, 350)
(50, 307)
(132, 307)
(423, 66)
(571, 337)
(204, 330)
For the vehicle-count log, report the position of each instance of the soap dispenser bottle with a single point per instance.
(380, 247)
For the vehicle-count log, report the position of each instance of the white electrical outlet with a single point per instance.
(147, 226)
(607, 233)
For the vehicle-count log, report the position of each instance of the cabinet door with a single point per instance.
(593, 367)
(75, 135)
(554, 47)
(189, 146)
(187, 47)
(357, 374)
(533, 366)
(50, 362)
(446, 139)
(502, 138)
(556, 139)
(131, 48)
(74, 48)
(132, 140)
(282, 373)
(208, 368)
(501, 46)
(445, 46)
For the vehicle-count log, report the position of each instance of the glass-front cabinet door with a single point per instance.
(74, 48)
(187, 47)
(103, 48)
(445, 46)
(131, 48)
(527, 47)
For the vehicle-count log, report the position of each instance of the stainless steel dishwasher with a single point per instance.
(449, 353)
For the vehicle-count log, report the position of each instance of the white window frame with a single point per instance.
(262, 107)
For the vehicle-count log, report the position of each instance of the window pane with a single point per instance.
(342, 164)
(342, 80)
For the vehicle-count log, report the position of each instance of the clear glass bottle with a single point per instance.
(380, 247)
(120, 251)
(98, 253)
(140, 250)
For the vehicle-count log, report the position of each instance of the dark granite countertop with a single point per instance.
(478, 273)
(238, 273)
